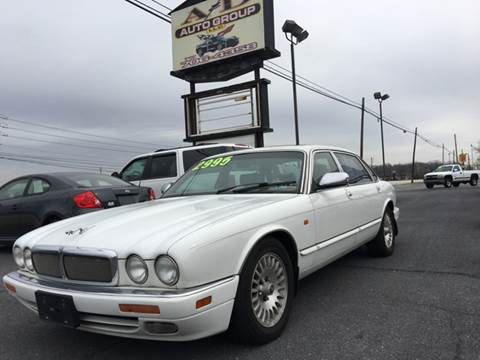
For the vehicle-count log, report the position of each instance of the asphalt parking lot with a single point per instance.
(422, 303)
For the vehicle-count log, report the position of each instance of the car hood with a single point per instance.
(147, 229)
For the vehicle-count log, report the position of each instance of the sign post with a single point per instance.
(219, 40)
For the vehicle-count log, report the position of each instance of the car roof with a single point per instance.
(305, 148)
(185, 148)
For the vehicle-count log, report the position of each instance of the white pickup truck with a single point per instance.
(451, 175)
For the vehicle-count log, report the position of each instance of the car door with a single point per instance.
(364, 194)
(331, 205)
(162, 169)
(34, 203)
(13, 222)
(458, 174)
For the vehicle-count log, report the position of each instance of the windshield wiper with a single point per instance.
(247, 187)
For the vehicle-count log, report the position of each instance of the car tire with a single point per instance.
(264, 295)
(474, 181)
(448, 183)
(384, 243)
(429, 186)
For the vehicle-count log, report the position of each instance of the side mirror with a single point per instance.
(331, 180)
(165, 188)
(115, 174)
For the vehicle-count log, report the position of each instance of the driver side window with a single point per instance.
(14, 190)
(135, 170)
(323, 163)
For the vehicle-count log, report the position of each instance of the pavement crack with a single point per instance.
(458, 342)
(415, 271)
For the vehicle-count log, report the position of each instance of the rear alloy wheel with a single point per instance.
(474, 181)
(448, 183)
(264, 295)
(384, 243)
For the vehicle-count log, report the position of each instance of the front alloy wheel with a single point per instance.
(264, 295)
(448, 183)
(269, 290)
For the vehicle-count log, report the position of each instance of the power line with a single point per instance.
(47, 164)
(159, 3)
(349, 103)
(147, 8)
(4, 117)
(50, 153)
(65, 144)
(60, 159)
(7, 127)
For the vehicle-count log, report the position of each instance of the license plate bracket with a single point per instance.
(57, 308)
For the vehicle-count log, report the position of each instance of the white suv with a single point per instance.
(156, 169)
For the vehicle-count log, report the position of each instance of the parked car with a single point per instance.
(29, 202)
(451, 175)
(165, 166)
(223, 249)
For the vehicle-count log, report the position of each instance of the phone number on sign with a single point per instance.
(196, 60)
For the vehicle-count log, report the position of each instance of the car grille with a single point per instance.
(432, 177)
(75, 266)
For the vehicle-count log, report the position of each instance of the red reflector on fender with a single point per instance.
(204, 302)
(139, 309)
(10, 288)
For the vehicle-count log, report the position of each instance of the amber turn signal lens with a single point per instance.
(139, 309)
(10, 288)
(204, 302)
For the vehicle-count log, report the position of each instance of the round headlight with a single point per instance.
(167, 270)
(18, 257)
(27, 259)
(137, 269)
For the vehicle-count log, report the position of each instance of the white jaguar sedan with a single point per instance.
(223, 249)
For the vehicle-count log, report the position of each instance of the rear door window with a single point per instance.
(38, 186)
(191, 157)
(135, 170)
(164, 166)
(354, 168)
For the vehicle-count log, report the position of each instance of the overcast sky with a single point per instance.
(103, 67)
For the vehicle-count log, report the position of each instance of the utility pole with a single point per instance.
(443, 154)
(362, 128)
(414, 150)
(456, 148)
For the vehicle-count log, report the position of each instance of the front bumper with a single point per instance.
(100, 312)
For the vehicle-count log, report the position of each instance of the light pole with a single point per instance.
(381, 98)
(295, 34)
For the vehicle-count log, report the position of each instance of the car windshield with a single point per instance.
(260, 172)
(94, 180)
(444, 168)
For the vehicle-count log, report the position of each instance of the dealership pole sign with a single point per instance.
(215, 40)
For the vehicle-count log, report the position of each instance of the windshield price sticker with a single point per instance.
(213, 163)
